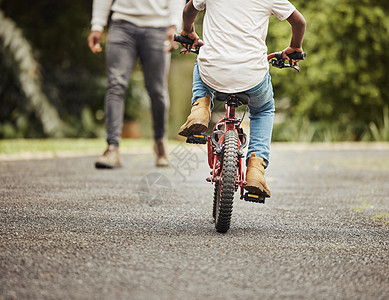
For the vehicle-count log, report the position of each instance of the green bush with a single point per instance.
(344, 81)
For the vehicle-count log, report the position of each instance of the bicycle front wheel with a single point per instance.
(225, 189)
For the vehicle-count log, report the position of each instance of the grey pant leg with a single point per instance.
(153, 60)
(121, 56)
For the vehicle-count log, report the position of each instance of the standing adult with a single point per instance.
(139, 29)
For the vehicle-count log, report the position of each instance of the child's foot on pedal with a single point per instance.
(255, 176)
(197, 121)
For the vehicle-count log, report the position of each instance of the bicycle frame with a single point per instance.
(216, 142)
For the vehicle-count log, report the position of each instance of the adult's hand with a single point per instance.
(94, 41)
(169, 41)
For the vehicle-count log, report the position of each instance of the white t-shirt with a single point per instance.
(234, 55)
(148, 13)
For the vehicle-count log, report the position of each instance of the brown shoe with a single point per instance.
(200, 114)
(110, 159)
(255, 176)
(160, 153)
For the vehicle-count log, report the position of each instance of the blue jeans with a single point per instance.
(261, 108)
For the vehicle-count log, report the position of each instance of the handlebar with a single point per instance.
(275, 59)
(183, 39)
(294, 55)
(187, 43)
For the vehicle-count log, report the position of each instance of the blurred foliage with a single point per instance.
(343, 85)
(73, 78)
(379, 131)
(16, 52)
(338, 95)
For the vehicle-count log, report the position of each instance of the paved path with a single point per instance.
(69, 231)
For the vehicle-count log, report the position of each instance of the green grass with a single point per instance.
(380, 131)
(19, 146)
(382, 217)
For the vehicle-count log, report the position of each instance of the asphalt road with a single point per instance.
(69, 231)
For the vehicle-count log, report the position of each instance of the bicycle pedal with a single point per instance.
(254, 198)
(197, 139)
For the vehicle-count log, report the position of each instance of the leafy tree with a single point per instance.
(73, 78)
(344, 81)
(16, 52)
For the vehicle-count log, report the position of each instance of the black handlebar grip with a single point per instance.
(297, 55)
(183, 39)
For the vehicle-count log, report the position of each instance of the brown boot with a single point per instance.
(255, 176)
(110, 159)
(197, 121)
(161, 157)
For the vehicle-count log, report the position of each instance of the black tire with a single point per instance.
(224, 195)
(216, 197)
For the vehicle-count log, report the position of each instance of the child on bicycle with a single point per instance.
(234, 59)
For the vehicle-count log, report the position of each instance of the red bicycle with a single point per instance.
(226, 146)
